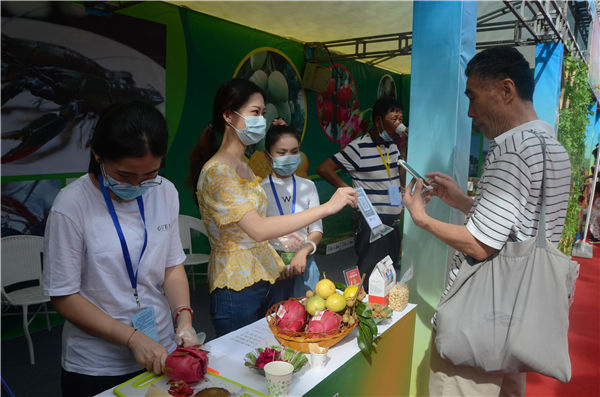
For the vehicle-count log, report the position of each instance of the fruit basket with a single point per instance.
(299, 340)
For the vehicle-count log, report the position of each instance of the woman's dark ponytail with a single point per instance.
(205, 148)
(231, 95)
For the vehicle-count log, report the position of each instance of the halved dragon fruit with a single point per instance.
(323, 322)
(291, 316)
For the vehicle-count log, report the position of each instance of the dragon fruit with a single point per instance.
(266, 356)
(179, 389)
(188, 364)
(344, 95)
(291, 316)
(323, 322)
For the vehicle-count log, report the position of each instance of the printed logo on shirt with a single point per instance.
(163, 228)
(287, 199)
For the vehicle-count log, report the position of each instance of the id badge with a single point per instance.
(145, 321)
(394, 194)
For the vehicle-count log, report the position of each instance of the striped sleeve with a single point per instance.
(349, 158)
(508, 183)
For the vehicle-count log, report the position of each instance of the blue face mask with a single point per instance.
(384, 135)
(286, 165)
(256, 127)
(124, 191)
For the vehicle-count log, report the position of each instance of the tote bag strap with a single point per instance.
(541, 230)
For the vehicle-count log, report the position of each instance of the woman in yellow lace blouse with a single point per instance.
(242, 265)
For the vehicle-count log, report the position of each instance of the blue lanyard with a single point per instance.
(115, 219)
(277, 197)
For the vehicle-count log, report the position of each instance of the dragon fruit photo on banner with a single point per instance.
(337, 107)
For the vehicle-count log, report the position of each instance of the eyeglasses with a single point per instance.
(157, 180)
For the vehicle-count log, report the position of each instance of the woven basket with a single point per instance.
(298, 340)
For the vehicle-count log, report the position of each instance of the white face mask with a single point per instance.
(286, 165)
(256, 128)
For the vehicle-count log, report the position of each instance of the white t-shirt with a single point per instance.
(306, 197)
(83, 255)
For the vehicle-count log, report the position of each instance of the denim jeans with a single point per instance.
(231, 310)
(296, 286)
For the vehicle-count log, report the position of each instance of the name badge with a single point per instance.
(394, 194)
(145, 321)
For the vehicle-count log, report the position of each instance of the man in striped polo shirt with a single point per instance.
(508, 200)
(372, 162)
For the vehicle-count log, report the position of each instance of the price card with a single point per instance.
(352, 276)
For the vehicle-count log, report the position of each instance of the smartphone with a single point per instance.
(414, 173)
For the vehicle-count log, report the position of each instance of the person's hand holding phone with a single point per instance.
(414, 173)
(414, 201)
(449, 192)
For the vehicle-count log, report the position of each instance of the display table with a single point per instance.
(347, 372)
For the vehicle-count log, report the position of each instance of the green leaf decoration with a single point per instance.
(251, 358)
(299, 361)
(367, 333)
(363, 310)
(340, 286)
(288, 354)
(365, 347)
(372, 326)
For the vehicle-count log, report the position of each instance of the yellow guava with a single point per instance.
(350, 291)
(315, 304)
(324, 288)
(336, 302)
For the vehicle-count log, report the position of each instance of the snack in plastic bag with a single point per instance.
(398, 297)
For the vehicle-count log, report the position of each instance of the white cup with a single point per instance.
(318, 360)
(279, 378)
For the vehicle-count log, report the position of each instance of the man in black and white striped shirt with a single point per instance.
(508, 201)
(372, 162)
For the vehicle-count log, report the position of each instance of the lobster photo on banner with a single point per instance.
(61, 66)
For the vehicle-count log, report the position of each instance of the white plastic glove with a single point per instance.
(188, 337)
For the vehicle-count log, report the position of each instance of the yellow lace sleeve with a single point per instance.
(224, 194)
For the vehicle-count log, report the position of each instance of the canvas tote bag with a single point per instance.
(510, 312)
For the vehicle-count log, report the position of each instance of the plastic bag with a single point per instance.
(399, 293)
(289, 243)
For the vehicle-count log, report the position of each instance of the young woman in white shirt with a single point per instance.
(288, 194)
(113, 258)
